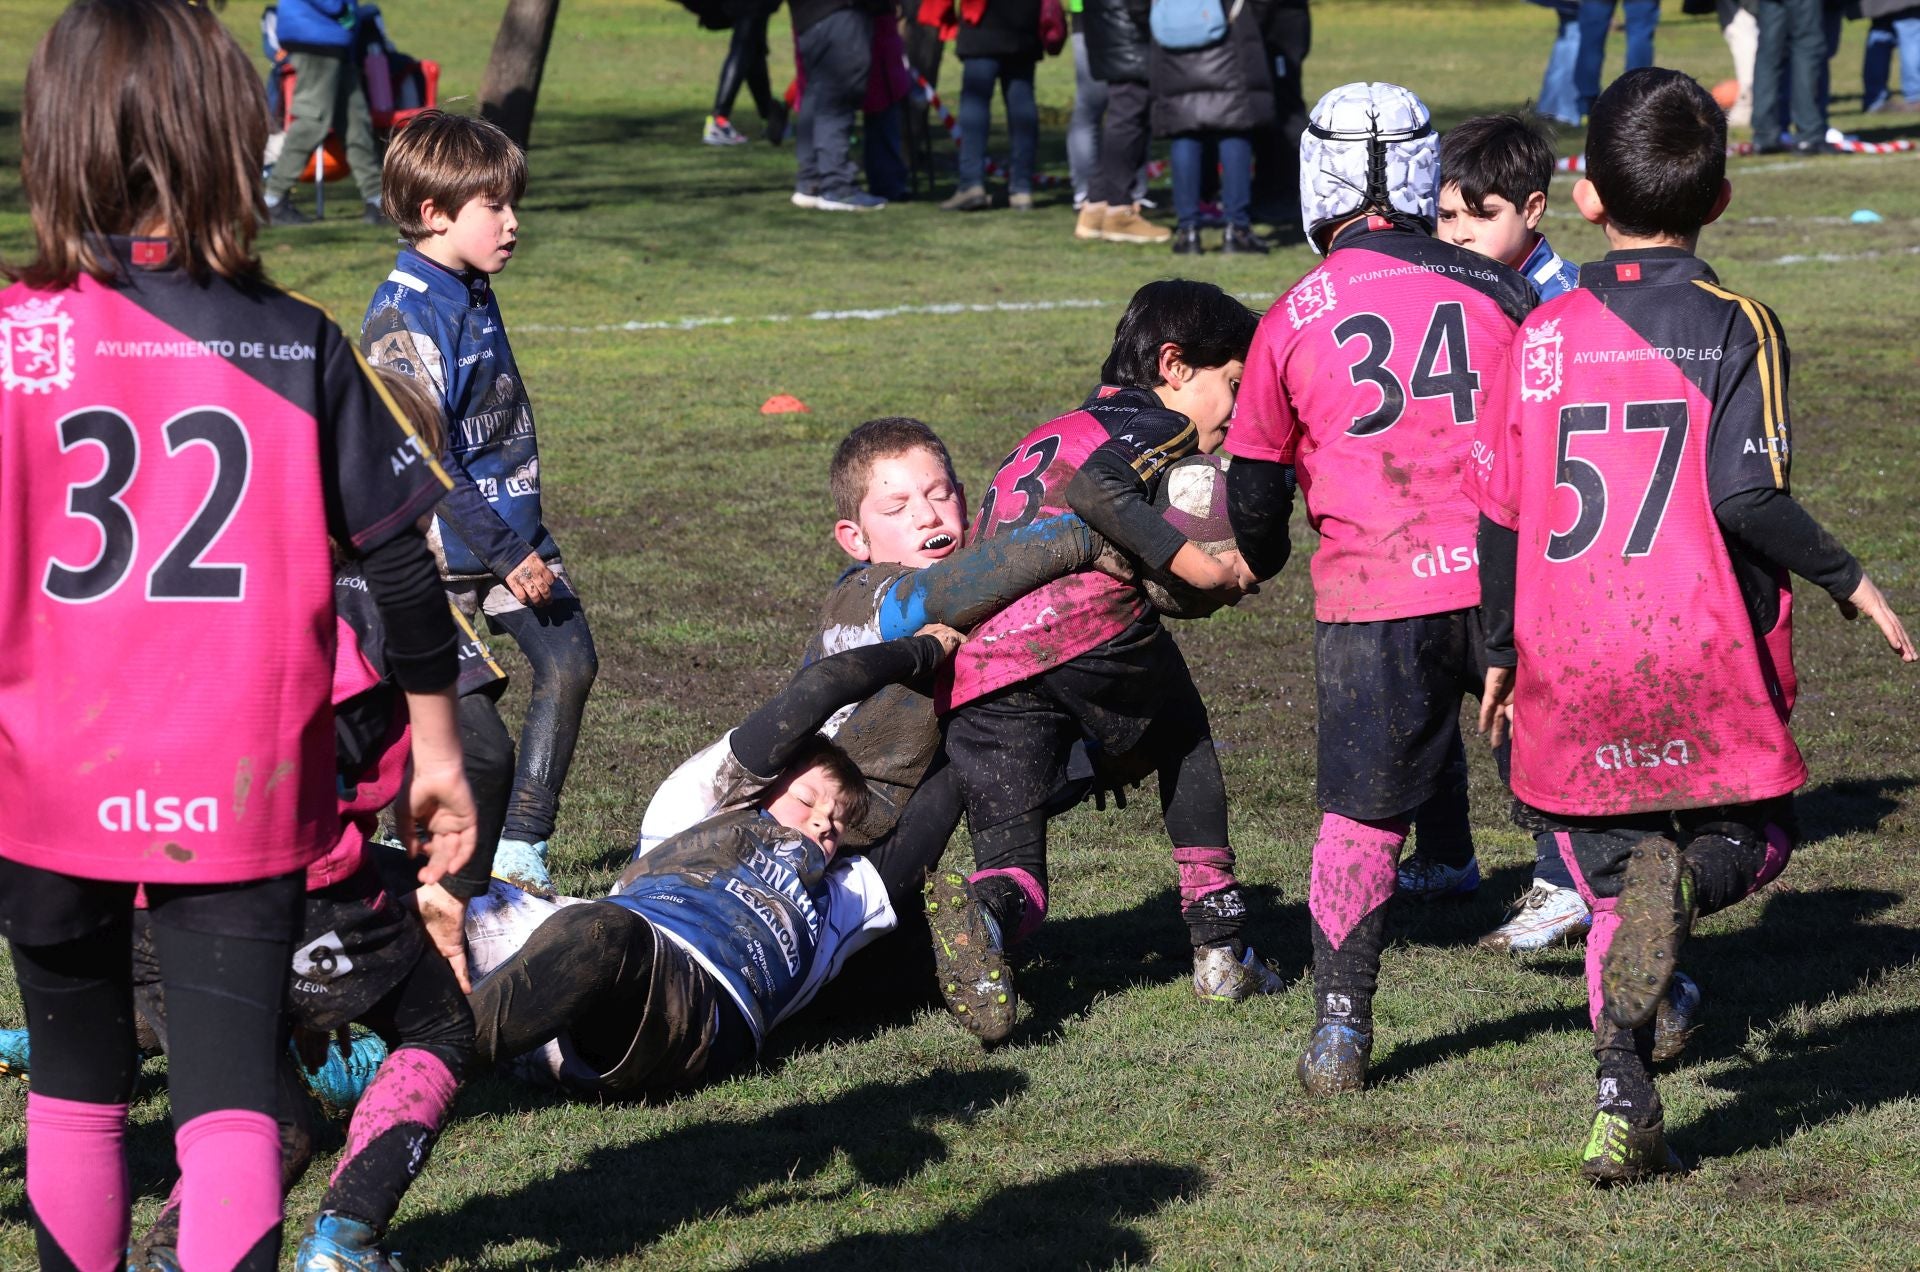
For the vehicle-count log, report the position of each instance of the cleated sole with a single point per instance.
(1652, 910)
(975, 981)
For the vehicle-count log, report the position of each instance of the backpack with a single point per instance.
(1179, 25)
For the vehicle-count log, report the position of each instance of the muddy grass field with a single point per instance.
(665, 290)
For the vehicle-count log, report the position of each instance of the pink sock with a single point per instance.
(1036, 907)
(1779, 849)
(229, 1186)
(77, 1178)
(1599, 941)
(1203, 871)
(1355, 870)
(1564, 842)
(412, 1086)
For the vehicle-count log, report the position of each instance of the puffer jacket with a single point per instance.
(1119, 41)
(1225, 87)
(1008, 30)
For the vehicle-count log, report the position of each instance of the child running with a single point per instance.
(1635, 497)
(1088, 655)
(1494, 173)
(178, 440)
(1365, 381)
(449, 185)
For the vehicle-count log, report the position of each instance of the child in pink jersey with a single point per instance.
(1363, 384)
(1636, 536)
(178, 439)
(1087, 654)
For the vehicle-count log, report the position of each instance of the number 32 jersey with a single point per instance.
(1655, 664)
(1368, 376)
(173, 457)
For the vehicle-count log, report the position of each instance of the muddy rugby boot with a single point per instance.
(974, 978)
(1675, 1020)
(1219, 977)
(1336, 1060)
(335, 1243)
(1655, 910)
(1546, 915)
(1425, 879)
(1618, 1152)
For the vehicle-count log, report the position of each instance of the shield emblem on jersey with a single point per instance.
(1311, 297)
(36, 346)
(1540, 362)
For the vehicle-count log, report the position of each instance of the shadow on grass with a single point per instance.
(1849, 806)
(619, 1198)
(1403, 1061)
(1459, 920)
(1081, 1218)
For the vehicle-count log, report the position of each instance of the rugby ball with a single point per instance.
(1193, 499)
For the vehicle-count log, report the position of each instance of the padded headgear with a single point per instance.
(1368, 146)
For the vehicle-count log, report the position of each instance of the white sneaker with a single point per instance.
(801, 199)
(1545, 916)
(1219, 977)
(858, 201)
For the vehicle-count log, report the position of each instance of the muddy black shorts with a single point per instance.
(1390, 695)
(45, 907)
(1600, 846)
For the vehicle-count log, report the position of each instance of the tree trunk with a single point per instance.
(512, 81)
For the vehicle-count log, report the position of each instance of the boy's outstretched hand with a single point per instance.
(445, 918)
(949, 639)
(1496, 705)
(1867, 599)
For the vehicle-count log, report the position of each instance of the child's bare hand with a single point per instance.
(531, 582)
(1198, 569)
(949, 639)
(440, 803)
(1867, 599)
(1242, 577)
(445, 918)
(1496, 705)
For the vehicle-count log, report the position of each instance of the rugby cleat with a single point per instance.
(1336, 1060)
(1219, 977)
(335, 1243)
(1676, 1018)
(524, 865)
(1618, 1152)
(345, 1075)
(1425, 879)
(1655, 910)
(14, 1054)
(974, 978)
(1545, 915)
(719, 131)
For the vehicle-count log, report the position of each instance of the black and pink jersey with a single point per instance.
(1368, 376)
(173, 458)
(1073, 614)
(1653, 673)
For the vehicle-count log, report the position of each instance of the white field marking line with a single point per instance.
(1033, 306)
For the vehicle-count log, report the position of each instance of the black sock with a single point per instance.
(1005, 900)
(1216, 919)
(1625, 1073)
(1344, 979)
(1725, 859)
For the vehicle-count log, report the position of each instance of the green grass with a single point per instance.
(1125, 1122)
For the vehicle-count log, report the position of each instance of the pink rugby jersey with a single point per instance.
(1655, 664)
(1070, 615)
(1368, 377)
(173, 457)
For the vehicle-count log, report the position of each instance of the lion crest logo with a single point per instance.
(1311, 297)
(36, 346)
(1541, 362)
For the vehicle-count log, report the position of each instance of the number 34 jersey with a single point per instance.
(1655, 664)
(173, 457)
(1368, 376)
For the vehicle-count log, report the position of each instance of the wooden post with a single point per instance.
(512, 81)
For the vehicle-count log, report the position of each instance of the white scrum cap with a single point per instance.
(1367, 145)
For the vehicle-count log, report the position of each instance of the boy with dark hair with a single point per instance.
(1362, 380)
(1494, 172)
(450, 184)
(1087, 654)
(1656, 400)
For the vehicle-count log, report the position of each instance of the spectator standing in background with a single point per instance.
(1221, 92)
(1896, 23)
(1793, 45)
(746, 63)
(1089, 106)
(1559, 99)
(1287, 28)
(1119, 46)
(327, 97)
(1596, 16)
(835, 43)
(999, 43)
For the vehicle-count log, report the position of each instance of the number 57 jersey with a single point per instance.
(1655, 662)
(1368, 376)
(173, 458)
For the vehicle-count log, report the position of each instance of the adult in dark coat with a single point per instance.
(1001, 47)
(1220, 93)
(1119, 49)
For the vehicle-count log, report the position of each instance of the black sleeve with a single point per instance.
(1773, 526)
(1112, 498)
(376, 477)
(421, 646)
(771, 736)
(1259, 506)
(1499, 565)
(487, 750)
